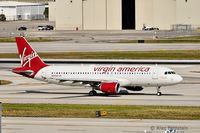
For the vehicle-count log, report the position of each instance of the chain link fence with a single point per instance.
(186, 27)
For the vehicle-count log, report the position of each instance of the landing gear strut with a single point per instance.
(92, 93)
(158, 91)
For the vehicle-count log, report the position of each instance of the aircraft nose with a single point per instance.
(179, 79)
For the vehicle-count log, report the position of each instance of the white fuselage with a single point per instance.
(108, 78)
(125, 75)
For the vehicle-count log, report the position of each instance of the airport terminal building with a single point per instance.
(22, 10)
(124, 14)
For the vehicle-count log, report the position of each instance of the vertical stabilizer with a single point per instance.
(30, 61)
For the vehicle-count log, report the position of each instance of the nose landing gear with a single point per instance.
(158, 91)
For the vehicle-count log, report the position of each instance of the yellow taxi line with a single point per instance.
(123, 101)
(4, 100)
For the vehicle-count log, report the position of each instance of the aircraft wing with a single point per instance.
(85, 80)
(122, 82)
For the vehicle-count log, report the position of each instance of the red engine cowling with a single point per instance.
(110, 87)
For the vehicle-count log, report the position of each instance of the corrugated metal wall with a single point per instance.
(30, 12)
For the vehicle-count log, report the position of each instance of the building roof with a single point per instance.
(14, 4)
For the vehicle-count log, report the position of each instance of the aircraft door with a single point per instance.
(43, 75)
(155, 73)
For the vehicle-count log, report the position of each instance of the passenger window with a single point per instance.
(165, 73)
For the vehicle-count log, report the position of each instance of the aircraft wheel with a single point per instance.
(106, 94)
(159, 93)
(92, 93)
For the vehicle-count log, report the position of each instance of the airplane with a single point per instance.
(107, 78)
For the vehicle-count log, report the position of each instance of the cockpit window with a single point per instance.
(169, 72)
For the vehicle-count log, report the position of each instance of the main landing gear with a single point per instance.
(92, 93)
(158, 91)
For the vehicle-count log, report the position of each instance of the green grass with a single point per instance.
(184, 39)
(114, 111)
(12, 39)
(5, 82)
(195, 71)
(188, 37)
(162, 54)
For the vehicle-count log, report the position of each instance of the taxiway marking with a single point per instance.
(123, 101)
(4, 100)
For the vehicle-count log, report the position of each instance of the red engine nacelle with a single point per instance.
(110, 87)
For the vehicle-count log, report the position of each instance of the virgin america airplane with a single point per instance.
(106, 78)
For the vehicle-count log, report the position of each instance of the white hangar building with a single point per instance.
(123, 14)
(21, 11)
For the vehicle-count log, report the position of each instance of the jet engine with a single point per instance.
(110, 87)
(135, 88)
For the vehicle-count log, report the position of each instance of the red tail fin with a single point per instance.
(30, 61)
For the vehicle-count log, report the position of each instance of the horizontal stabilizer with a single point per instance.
(23, 71)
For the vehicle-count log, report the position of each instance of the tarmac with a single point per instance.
(9, 29)
(63, 46)
(25, 90)
(87, 125)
